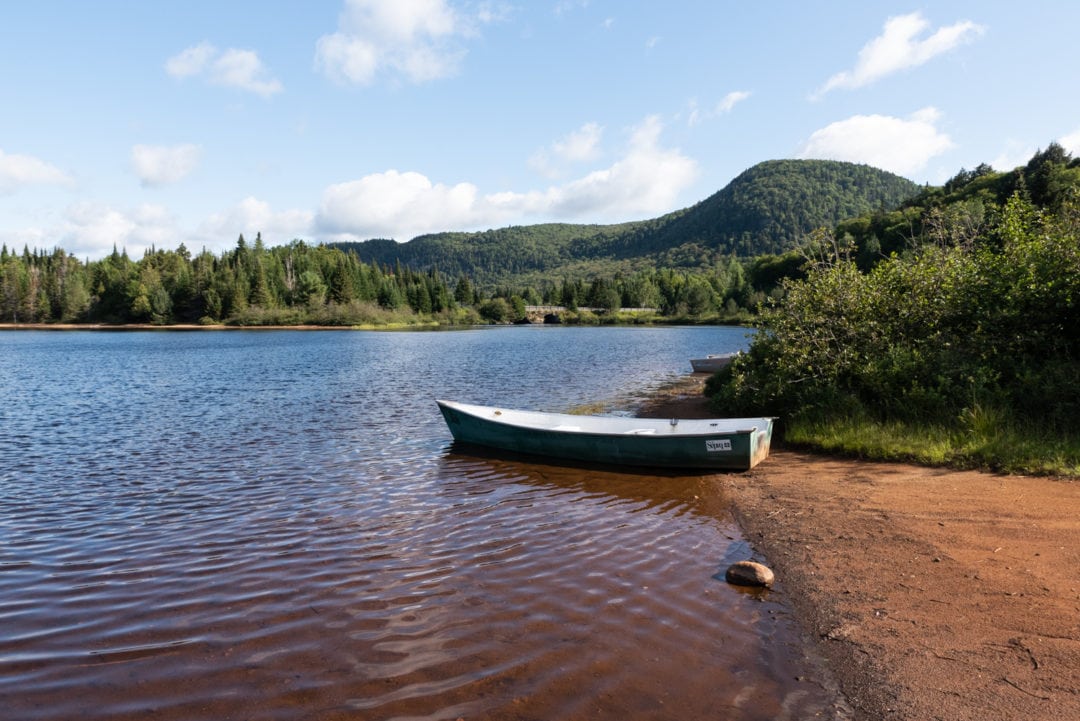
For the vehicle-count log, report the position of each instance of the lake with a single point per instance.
(275, 525)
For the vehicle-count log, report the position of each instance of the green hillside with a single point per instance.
(773, 205)
(765, 210)
(964, 207)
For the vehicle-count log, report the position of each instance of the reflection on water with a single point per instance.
(276, 525)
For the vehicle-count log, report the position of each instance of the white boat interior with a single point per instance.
(611, 425)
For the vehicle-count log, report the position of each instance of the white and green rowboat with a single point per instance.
(729, 444)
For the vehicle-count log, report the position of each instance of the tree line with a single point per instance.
(250, 284)
(299, 283)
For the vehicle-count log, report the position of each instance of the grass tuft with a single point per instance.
(982, 438)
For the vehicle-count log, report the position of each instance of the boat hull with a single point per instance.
(713, 363)
(730, 450)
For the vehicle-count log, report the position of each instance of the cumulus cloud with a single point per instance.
(191, 61)
(229, 68)
(646, 180)
(1017, 153)
(899, 47)
(902, 146)
(581, 145)
(418, 40)
(396, 205)
(18, 171)
(93, 230)
(1070, 142)
(723, 107)
(252, 216)
(162, 165)
(730, 100)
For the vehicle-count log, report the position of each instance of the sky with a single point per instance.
(139, 125)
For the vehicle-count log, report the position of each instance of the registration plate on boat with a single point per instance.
(718, 445)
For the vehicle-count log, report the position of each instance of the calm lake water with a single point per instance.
(275, 525)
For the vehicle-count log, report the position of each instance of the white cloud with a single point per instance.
(243, 69)
(723, 107)
(19, 171)
(646, 181)
(191, 61)
(250, 217)
(396, 205)
(229, 68)
(161, 165)
(418, 40)
(730, 100)
(1016, 153)
(581, 145)
(1070, 142)
(899, 47)
(33, 237)
(902, 146)
(92, 230)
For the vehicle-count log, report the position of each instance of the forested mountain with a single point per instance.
(770, 208)
(765, 210)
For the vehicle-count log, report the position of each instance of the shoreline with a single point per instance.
(930, 593)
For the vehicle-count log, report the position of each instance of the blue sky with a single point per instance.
(141, 124)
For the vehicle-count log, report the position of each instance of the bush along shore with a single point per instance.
(962, 350)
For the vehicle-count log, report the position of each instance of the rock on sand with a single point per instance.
(749, 573)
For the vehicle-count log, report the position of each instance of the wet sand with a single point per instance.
(931, 593)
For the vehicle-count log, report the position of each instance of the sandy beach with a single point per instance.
(931, 593)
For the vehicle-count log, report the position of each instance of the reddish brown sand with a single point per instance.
(932, 593)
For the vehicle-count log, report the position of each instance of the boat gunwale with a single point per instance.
(689, 435)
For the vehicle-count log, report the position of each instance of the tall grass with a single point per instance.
(982, 438)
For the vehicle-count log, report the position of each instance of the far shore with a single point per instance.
(931, 593)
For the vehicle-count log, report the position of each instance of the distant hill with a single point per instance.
(773, 205)
(765, 210)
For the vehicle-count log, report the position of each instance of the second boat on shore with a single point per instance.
(712, 363)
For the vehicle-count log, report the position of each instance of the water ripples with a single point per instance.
(276, 526)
